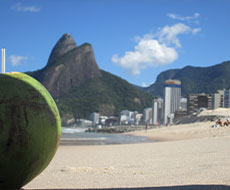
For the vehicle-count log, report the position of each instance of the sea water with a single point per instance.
(78, 136)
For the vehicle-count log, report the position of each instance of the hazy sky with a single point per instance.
(133, 39)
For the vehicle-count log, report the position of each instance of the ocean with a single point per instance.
(78, 136)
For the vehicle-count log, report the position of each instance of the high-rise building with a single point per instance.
(172, 95)
(148, 115)
(218, 99)
(157, 111)
(227, 98)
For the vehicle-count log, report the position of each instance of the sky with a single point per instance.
(133, 39)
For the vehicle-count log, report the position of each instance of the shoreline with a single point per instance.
(186, 156)
(86, 139)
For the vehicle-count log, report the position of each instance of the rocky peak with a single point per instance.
(68, 67)
(65, 44)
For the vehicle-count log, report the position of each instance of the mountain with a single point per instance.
(194, 79)
(64, 45)
(79, 87)
(107, 94)
(68, 67)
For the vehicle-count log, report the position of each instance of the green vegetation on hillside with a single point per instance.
(195, 79)
(107, 94)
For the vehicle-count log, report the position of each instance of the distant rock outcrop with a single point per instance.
(68, 66)
(64, 45)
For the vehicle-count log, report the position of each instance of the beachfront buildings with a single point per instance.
(130, 117)
(84, 123)
(148, 115)
(94, 117)
(218, 99)
(197, 101)
(126, 117)
(138, 118)
(227, 98)
(221, 99)
(172, 96)
(157, 111)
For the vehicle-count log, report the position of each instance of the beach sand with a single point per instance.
(192, 156)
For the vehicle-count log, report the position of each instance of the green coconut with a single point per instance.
(30, 129)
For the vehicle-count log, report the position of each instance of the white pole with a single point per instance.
(3, 60)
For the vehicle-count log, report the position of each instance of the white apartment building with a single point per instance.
(126, 117)
(148, 115)
(157, 111)
(218, 99)
(172, 96)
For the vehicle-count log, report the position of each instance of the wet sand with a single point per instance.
(192, 156)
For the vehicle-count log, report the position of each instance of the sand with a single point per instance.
(218, 111)
(192, 156)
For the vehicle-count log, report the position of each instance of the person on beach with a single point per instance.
(218, 123)
(227, 122)
(146, 127)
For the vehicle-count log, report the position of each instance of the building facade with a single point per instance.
(198, 101)
(172, 96)
(183, 104)
(94, 117)
(157, 111)
(218, 99)
(227, 98)
(148, 115)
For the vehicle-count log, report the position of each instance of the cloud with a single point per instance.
(147, 53)
(144, 85)
(16, 60)
(169, 34)
(196, 30)
(186, 18)
(154, 50)
(19, 7)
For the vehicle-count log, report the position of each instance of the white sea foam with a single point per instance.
(86, 139)
(73, 130)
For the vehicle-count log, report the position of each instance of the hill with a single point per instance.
(107, 94)
(79, 87)
(194, 79)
